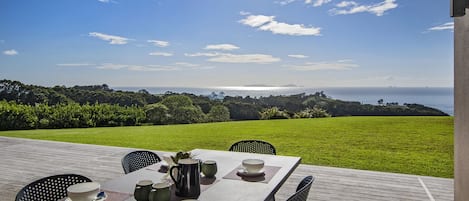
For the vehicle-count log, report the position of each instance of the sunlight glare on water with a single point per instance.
(252, 88)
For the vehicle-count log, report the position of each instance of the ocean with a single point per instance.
(436, 97)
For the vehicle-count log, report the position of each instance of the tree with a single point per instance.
(186, 115)
(242, 111)
(219, 113)
(380, 102)
(156, 113)
(176, 101)
(143, 91)
(182, 111)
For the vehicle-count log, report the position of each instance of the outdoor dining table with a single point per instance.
(226, 185)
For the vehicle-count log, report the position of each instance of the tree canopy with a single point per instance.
(29, 106)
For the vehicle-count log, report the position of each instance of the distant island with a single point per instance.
(87, 103)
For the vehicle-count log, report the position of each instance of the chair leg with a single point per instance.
(271, 198)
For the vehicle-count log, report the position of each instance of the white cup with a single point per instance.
(83, 191)
(253, 165)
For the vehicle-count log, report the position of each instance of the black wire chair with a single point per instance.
(302, 190)
(253, 146)
(138, 159)
(50, 188)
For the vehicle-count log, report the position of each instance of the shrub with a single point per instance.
(315, 112)
(274, 113)
(15, 116)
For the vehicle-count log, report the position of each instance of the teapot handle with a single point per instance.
(171, 173)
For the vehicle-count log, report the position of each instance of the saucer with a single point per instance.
(244, 173)
(103, 198)
(164, 164)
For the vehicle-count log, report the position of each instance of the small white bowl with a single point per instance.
(83, 191)
(253, 165)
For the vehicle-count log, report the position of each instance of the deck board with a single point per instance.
(25, 160)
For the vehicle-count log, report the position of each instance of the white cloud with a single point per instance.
(268, 23)
(185, 64)
(244, 13)
(193, 66)
(75, 64)
(159, 43)
(284, 2)
(256, 20)
(315, 66)
(10, 52)
(236, 58)
(317, 3)
(298, 56)
(153, 68)
(202, 54)
(203, 67)
(351, 7)
(111, 66)
(445, 26)
(345, 60)
(114, 40)
(221, 47)
(244, 58)
(389, 78)
(344, 4)
(290, 29)
(165, 54)
(107, 1)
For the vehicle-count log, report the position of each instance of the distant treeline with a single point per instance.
(29, 107)
(32, 94)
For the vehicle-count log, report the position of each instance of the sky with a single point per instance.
(213, 43)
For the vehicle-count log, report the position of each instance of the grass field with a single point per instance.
(413, 145)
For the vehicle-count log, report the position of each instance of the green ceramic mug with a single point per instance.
(209, 168)
(142, 190)
(160, 192)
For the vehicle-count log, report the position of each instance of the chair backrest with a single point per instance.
(253, 146)
(302, 190)
(50, 188)
(136, 160)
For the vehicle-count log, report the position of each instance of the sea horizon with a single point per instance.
(441, 98)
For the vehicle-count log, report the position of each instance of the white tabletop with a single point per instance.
(222, 189)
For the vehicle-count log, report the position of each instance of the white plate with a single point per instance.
(164, 164)
(244, 173)
(101, 199)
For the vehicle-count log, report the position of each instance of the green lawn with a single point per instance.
(413, 145)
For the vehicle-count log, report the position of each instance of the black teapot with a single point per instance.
(186, 178)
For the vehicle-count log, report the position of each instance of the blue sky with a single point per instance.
(197, 43)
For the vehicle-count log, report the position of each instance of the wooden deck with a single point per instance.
(24, 160)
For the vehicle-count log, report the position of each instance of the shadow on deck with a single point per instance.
(24, 160)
